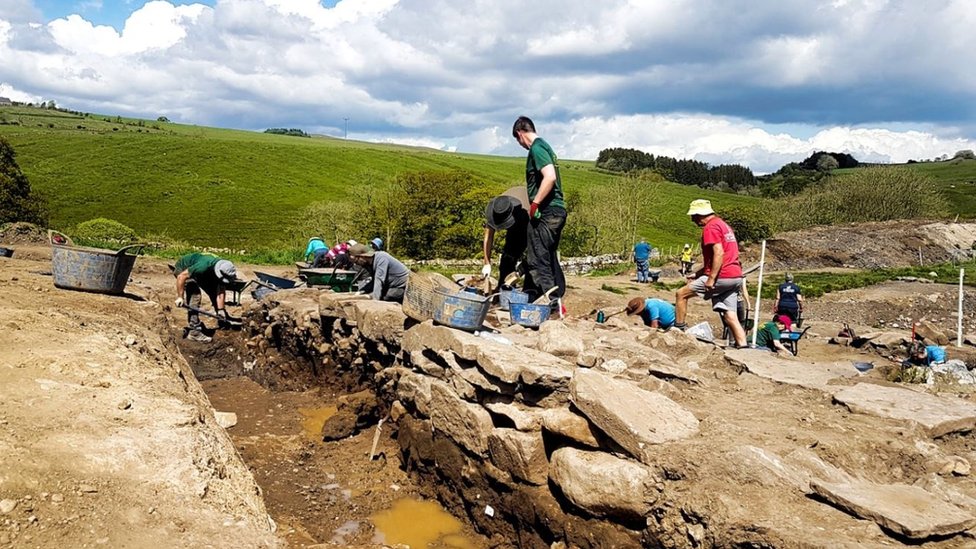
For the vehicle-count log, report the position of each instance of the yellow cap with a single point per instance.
(700, 207)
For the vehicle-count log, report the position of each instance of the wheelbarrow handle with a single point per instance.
(67, 239)
(124, 249)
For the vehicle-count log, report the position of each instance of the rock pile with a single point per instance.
(606, 436)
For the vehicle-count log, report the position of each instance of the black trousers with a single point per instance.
(544, 234)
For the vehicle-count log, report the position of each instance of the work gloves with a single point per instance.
(534, 210)
(486, 270)
(179, 302)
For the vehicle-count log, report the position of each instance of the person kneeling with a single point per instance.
(655, 313)
(389, 275)
(768, 337)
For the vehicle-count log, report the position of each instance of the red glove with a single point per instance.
(533, 210)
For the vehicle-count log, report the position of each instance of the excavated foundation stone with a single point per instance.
(538, 449)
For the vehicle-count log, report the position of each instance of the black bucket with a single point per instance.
(6, 252)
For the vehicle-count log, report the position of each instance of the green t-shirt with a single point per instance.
(767, 334)
(201, 267)
(540, 156)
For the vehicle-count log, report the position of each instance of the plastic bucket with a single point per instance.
(90, 269)
(461, 310)
(530, 315)
(505, 297)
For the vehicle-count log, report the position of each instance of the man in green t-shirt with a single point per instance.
(208, 273)
(547, 211)
(768, 337)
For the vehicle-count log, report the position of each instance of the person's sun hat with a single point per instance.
(225, 271)
(360, 250)
(687, 246)
(500, 212)
(700, 207)
(377, 243)
(635, 306)
(314, 238)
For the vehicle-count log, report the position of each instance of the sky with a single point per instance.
(755, 82)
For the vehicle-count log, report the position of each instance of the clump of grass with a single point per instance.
(613, 289)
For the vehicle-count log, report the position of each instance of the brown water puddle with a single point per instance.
(420, 523)
(313, 419)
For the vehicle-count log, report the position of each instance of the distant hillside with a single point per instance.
(229, 188)
(955, 178)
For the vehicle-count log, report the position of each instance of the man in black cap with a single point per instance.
(507, 212)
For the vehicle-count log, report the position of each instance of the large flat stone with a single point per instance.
(908, 511)
(513, 364)
(332, 304)
(556, 338)
(440, 338)
(467, 424)
(524, 419)
(523, 455)
(938, 415)
(415, 390)
(634, 418)
(790, 372)
(603, 485)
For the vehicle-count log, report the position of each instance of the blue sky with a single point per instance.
(757, 82)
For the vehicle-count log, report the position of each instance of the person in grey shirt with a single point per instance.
(389, 275)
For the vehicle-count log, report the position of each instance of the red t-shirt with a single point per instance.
(717, 231)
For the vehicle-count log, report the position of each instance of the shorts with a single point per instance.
(725, 296)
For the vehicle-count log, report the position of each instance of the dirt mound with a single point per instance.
(22, 233)
(869, 245)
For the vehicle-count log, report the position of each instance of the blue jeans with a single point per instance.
(642, 271)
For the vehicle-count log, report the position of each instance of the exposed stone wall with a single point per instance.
(604, 436)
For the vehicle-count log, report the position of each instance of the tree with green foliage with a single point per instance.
(17, 201)
(162, 119)
(751, 224)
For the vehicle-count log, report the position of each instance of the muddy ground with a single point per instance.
(106, 438)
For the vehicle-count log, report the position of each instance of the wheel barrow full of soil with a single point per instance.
(90, 269)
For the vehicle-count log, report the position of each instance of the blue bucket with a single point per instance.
(530, 315)
(462, 310)
(505, 297)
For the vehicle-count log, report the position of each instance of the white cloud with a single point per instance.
(880, 79)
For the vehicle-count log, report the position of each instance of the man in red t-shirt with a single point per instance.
(720, 277)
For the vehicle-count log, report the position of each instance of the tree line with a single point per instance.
(727, 177)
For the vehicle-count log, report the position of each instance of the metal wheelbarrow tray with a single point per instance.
(90, 269)
(339, 280)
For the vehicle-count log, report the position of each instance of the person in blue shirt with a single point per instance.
(642, 253)
(655, 313)
(929, 355)
(789, 300)
(316, 249)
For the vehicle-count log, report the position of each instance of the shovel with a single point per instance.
(231, 323)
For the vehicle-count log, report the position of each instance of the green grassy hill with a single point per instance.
(240, 189)
(955, 178)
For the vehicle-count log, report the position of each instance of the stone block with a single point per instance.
(523, 419)
(556, 338)
(521, 454)
(603, 485)
(380, 320)
(573, 426)
(467, 424)
(439, 338)
(932, 335)
(632, 417)
(938, 415)
(415, 390)
(907, 511)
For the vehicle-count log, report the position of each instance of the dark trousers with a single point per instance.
(544, 235)
(792, 312)
(194, 299)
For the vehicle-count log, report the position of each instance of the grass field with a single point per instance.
(955, 178)
(242, 190)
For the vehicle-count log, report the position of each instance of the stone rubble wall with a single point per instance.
(585, 435)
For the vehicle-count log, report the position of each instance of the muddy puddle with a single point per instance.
(329, 492)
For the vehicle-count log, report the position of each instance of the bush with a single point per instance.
(101, 231)
(751, 224)
(865, 194)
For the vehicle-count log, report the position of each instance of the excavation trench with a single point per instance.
(318, 492)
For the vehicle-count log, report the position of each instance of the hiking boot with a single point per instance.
(680, 327)
(196, 335)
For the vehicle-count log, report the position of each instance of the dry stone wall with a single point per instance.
(606, 436)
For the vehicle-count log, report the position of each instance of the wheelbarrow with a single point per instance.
(339, 280)
(90, 269)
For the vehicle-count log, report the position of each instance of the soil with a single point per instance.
(108, 439)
